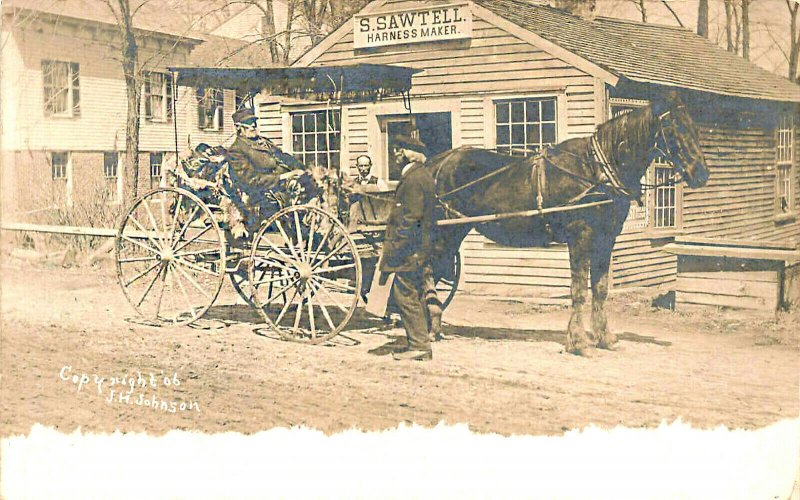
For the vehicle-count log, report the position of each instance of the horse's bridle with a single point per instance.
(667, 154)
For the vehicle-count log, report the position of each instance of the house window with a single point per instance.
(209, 109)
(525, 126)
(58, 164)
(785, 163)
(665, 199)
(61, 88)
(156, 161)
(315, 137)
(110, 165)
(158, 97)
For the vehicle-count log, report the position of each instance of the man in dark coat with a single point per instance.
(257, 167)
(408, 244)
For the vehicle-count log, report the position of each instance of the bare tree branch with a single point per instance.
(674, 14)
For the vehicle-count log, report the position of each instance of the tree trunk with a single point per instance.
(729, 24)
(287, 46)
(268, 30)
(795, 42)
(130, 63)
(702, 18)
(746, 29)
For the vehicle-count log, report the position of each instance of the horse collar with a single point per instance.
(601, 159)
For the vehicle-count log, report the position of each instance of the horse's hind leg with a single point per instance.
(577, 340)
(600, 265)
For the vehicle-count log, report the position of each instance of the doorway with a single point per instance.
(434, 129)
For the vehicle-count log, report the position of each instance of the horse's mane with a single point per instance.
(631, 128)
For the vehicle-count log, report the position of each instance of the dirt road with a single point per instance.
(503, 370)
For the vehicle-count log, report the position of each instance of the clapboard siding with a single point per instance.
(496, 270)
(739, 199)
(637, 261)
(492, 61)
(738, 290)
(270, 124)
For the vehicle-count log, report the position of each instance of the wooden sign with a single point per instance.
(429, 24)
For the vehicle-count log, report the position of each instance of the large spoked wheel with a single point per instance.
(170, 256)
(305, 274)
(448, 276)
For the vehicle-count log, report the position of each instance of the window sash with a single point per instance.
(156, 161)
(61, 88)
(158, 97)
(523, 126)
(309, 142)
(58, 163)
(665, 199)
(110, 165)
(209, 109)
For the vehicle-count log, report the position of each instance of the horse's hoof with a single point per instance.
(582, 351)
(609, 346)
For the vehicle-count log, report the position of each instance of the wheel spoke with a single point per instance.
(311, 317)
(142, 274)
(311, 231)
(185, 226)
(322, 242)
(286, 239)
(183, 292)
(192, 281)
(335, 268)
(285, 308)
(279, 292)
(163, 286)
(330, 255)
(195, 267)
(193, 238)
(300, 244)
(298, 315)
(277, 250)
(147, 290)
(324, 309)
(138, 224)
(275, 264)
(333, 283)
(333, 299)
(271, 280)
(197, 252)
(138, 259)
(174, 222)
(150, 215)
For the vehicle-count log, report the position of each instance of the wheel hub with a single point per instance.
(166, 255)
(304, 271)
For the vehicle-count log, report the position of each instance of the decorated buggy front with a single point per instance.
(286, 250)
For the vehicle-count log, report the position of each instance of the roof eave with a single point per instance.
(793, 99)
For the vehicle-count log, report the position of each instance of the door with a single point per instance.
(433, 129)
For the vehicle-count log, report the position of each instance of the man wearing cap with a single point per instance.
(407, 246)
(256, 165)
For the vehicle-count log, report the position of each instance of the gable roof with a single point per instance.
(154, 16)
(224, 52)
(648, 53)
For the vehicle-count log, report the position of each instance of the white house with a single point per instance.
(64, 105)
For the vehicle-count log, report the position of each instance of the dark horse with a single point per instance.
(607, 166)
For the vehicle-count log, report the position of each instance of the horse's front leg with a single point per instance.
(600, 266)
(578, 342)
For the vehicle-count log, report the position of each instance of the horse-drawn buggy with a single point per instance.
(289, 254)
(304, 271)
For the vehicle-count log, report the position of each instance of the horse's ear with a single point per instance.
(666, 102)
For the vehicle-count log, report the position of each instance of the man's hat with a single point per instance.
(406, 142)
(244, 115)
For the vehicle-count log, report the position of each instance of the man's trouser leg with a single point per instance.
(407, 292)
(432, 303)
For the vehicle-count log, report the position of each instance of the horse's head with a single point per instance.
(678, 140)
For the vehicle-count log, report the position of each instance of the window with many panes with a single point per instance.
(61, 82)
(111, 174)
(156, 162)
(209, 109)
(784, 188)
(524, 126)
(316, 137)
(158, 97)
(665, 196)
(58, 165)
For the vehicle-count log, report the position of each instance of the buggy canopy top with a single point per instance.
(347, 83)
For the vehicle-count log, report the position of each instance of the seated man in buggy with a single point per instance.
(260, 171)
